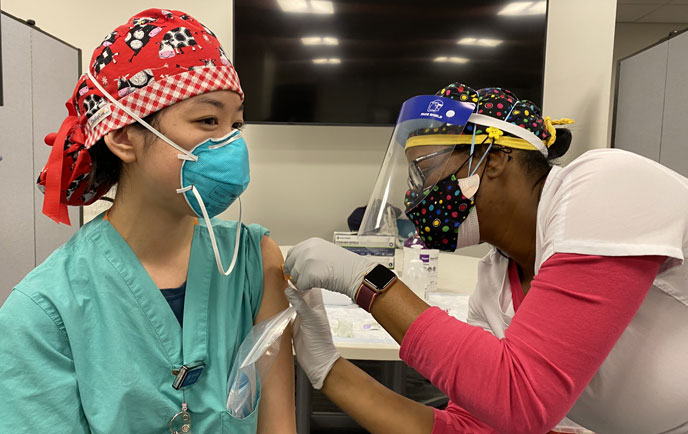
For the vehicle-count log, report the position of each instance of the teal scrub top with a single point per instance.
(88, 342)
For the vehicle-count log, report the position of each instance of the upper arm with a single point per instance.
(36, 371)
(274, 300)
(276, 410)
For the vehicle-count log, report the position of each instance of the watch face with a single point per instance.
(380, 276)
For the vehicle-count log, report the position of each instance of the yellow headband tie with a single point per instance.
(550, 123)
(492, 133)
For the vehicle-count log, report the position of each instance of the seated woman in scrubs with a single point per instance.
(90, 343)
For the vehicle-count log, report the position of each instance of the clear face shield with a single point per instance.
(419, 155)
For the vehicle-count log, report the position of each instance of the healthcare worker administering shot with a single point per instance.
(581, 308)
(132, 326)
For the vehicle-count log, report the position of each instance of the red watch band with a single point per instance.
(365, 297)
(378, 279)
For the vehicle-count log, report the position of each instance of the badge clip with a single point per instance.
(187, 375)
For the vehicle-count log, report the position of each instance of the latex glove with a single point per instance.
(312, 337)
(316, 263)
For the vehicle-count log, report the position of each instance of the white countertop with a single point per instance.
(358, 336)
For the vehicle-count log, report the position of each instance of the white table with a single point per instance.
(358, 336)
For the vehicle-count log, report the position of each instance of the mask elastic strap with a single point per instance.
(488, 148)
(185, 155)
(490, 145)
(481, 160)
(510, 111)
(212, 234)
(475, 128)
(470, 156)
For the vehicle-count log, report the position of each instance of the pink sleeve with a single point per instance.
(577, 308)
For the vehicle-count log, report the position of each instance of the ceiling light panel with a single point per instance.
(322, 7)
(319, 40)
(481, 42)
(450, 59)
(294, 6)
(524, 8)
(327, 61)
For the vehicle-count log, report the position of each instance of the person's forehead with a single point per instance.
(221, 99)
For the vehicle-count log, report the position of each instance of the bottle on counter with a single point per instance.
(427, 259)
(416, 277)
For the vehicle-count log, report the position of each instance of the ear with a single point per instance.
(496, 163)
(119, 142)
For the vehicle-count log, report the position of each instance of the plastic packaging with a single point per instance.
(344, 328)
(253, 362)
(567, 426)
(415, 277)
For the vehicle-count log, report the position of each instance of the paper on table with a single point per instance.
(455, 305)
(352, 324)
(360, 326)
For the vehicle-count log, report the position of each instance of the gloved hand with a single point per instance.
(312, 337)
(316, 263)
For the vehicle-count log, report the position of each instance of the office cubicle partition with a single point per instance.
(651, 114)
(39, 74)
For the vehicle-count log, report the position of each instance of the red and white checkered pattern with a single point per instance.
(164, 93)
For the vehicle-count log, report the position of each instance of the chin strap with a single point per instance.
(212, 234)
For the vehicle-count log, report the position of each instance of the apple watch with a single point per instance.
(374, 283)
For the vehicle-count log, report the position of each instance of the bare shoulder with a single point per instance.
(274, 284)
(272, 255)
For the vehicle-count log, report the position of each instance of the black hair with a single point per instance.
(107, 167)
(536, 164)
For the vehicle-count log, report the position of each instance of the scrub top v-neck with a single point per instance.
(175, 298)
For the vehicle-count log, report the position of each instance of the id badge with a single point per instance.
(187, 375)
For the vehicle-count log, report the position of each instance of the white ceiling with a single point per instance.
(652, 11)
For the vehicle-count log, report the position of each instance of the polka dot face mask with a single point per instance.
(440, 212)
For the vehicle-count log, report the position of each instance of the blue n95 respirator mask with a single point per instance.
(219, 174)
(213, 175)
